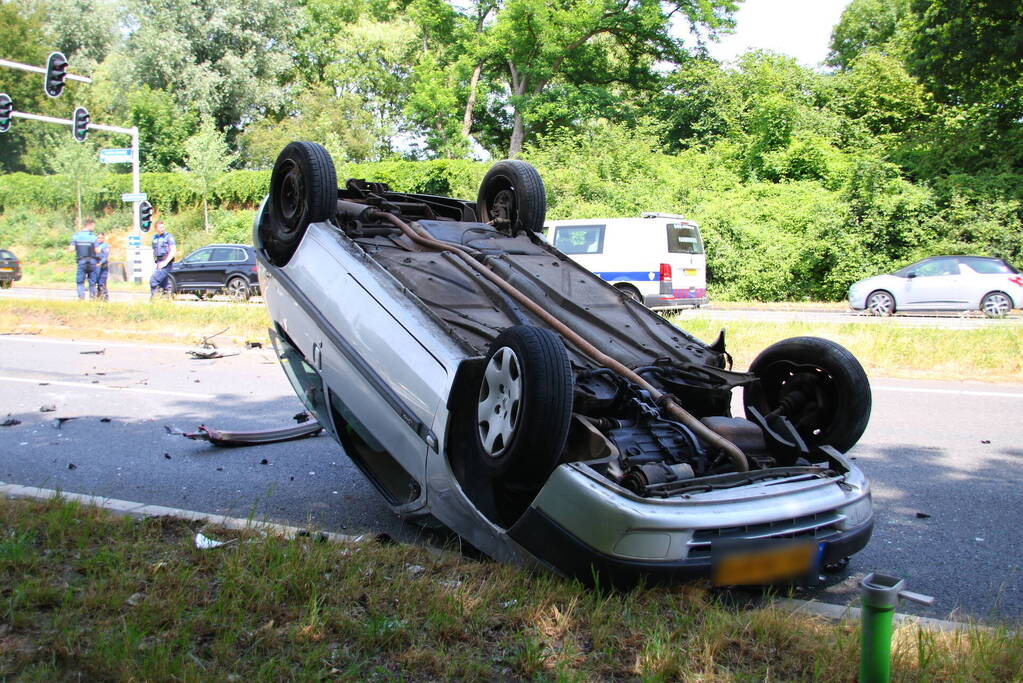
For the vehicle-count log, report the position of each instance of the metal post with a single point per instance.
(135, 186)
(879, 595)
(41, 70)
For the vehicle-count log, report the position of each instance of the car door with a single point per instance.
(188, 269)
(934, 285)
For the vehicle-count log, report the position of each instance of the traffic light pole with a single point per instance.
(133, 132)
(41, 70)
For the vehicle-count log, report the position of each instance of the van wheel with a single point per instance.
(303, 190)
(524, 404)
(631, 292)
(512, 197)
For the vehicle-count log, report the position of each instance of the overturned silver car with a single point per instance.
(480, 378)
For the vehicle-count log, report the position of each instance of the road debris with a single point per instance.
(72, 466)
(253, 345)
(223, 438)
(204, 542)
(301, 417)
(10, 421)
(209, 355)
(59, 422)
(167, 456)
(97, 353)
(104, 419)
(48, 408)
(922, 515)
(207, 344)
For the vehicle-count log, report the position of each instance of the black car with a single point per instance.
(217, 269)
(10, 268)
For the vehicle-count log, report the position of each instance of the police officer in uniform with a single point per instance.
(164, 249)
(102, 265)
(83, 243)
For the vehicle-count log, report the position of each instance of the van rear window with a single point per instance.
(684, 239)
(579, 239)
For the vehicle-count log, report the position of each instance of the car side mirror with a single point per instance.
(911, 275)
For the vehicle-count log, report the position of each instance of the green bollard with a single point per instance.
(880, 594)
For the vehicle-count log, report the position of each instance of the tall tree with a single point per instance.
(535, 42)
(869, 24)
(79, 162)
(227, 59)
(207, 157)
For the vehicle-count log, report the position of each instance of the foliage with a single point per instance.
(207, 157)
(868, 24)
(79, 165)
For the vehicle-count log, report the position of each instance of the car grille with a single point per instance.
(820, 527)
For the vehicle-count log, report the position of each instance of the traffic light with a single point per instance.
(56, 72)
(81, 124)
(145, 216)
(6, 112)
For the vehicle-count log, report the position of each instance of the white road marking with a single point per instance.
(84, 385)
(954, 392)
(92, 344)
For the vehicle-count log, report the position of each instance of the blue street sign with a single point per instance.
(134, 197)
(115, 156)
(134, 241)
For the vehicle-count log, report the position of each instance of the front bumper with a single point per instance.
(555, 545)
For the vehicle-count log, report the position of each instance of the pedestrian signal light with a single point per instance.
(145, 216)
(56, 73)
(6, 112)
(81, 124)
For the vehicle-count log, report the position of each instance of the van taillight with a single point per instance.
(666, 291)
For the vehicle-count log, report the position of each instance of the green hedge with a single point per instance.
(235, 189)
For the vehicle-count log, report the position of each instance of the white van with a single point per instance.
(656, 259)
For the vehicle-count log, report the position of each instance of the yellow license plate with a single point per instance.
(690, 271)
(763, 564)
(7, 270)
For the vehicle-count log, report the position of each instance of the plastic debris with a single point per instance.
(97, 353)
(48, 408)
(10, 422)
(209, 355)
(204, 542)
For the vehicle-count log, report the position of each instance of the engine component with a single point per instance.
(638, 478)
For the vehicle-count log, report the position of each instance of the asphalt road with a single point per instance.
(945, 460)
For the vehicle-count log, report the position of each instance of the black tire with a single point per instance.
(996, 304)
(525, 443)
(303, 190)
(819, 385)
(173, 285)
(512, 194)
(880, 302)
(238, 289)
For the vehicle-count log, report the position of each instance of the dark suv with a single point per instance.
(10, 268)
(217, 269)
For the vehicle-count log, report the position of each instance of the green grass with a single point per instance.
(993, 354)
(85, 595)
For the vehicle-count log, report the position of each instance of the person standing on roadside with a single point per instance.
(164, 249)
(83, 243)
(102, 265)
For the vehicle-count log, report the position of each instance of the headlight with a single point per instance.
(856, 514)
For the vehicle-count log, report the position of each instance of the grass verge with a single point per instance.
(993, 354)
(87, 595)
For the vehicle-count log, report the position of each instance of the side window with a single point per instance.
(304, 379)
(579, 239)
(986, 266)
(942, 266)
(201, 256)
(684, 238)
(221, 254)
(238, 255)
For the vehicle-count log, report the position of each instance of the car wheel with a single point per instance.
(512, 197)
(524, 404)
(996, 305)
(6, 284)
(631, 292)
(173, 285)
(238, 289)
(880, 303)
(303, 190)
(818, 385)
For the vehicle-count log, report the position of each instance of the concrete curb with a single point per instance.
(847, 613)
(132, 509)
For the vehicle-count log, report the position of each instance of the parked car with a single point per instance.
(482, 379)
(10, 269)
(942, 283)
(657, 259)
(217, 269)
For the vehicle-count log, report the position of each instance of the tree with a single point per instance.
(869, 24)
(163, 128)
(80, 163)
(224, 59)
(207, 157)
(535, 42)
(84, 30)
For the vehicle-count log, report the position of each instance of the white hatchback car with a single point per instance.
(942, 283)
(481, 378)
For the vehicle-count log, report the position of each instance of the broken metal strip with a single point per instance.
(219, 437)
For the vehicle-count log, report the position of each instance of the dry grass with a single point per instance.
(84, 595)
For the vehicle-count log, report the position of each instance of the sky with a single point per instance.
(797, 28)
